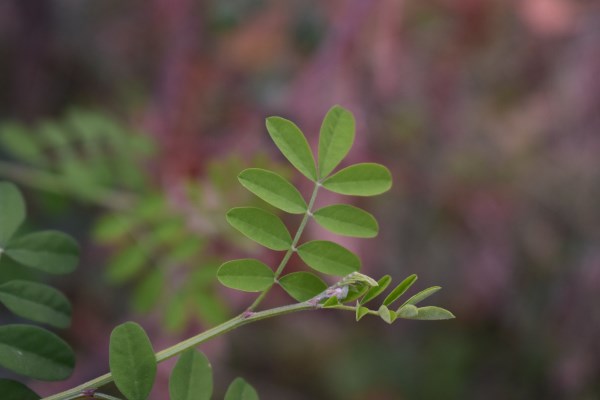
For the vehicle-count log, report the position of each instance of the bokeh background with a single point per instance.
(125, 123)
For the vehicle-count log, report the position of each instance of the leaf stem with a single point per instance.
(292, 248)
(194, 341)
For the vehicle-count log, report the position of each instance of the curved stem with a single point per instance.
(292, 248)
(194, 341)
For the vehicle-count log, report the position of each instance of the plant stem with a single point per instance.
(292, 248)
(194, 341)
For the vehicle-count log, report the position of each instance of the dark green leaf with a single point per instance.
(365, 179)
(132, 361)
(274, 189)
(432, 313)
(361, 312)
(375, 291)
(335, 139)
(422, 295)
(329, 258)
(408, 311)
(261, 226)
(291, 142)
(35, 352)
(12, 211)
(49, 251)
(248, 275)
(399, 290)
(240, 390)
(13, 390)
(347, 220)
(302, 286)
(191, 378)
(37, 302)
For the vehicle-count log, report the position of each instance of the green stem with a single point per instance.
(292, 248)
(194, 341)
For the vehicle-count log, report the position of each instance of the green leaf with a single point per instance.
(347, 220)
(361, 311)
(49, 251)
(13, 390)
(408, 311)
(335, 139)
(375, 291)
(191, 378)
(431, 313)
(35, 352)
(302, 286)
(422, 295)
(37, 302)
(12, 211)
(248, 275)
(125, 264)
(261, 226)
(400, 289)
(112, 227)
(355, 292)
(386, 314)
(331, 302)
(132, 361)
(274, 189)
(148, 291)
(291, 142)
(329, 258)
(365, 179)
(240, 390)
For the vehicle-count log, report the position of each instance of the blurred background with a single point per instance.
(126, 124)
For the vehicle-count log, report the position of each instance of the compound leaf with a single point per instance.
(35, 352)
(261, 226)
(335, 139)
(375, 291)
(302, 286)
(37, 302)
(347, 220)
(49, 251)
(12, 211)
(247, 274)
(191, 378)
(13, 390)
(400, 289)
(291, 142)
(240, 390)
(329, 258)
(366, 179)
(431, 313)
(132, 361)
(274, 189)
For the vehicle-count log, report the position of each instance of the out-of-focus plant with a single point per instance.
(133, 361)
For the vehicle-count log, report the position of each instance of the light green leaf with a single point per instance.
(386, 314)
(331, 302)
(240, 390)
(261, 226)
(361, 311)
(408, 311)
(37, 302)
(400, 290)
(125, 264)
(112, 227)
(12, 211)
(375, 291)
(431, 313)
(422, 295)
(132, 361)
(335, 139)
(355, 292)
(347, 220)
(291, 142)
(274, 189)
(302, 286)
(366, 179)
(13, 390)
(329, 258)
(49, 251)
(148, 291)
(35, 352)
(247, 274)
(191, 378)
